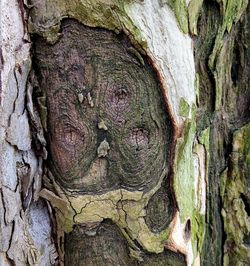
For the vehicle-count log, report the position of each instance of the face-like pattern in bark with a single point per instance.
(108, 132)
(107, 126)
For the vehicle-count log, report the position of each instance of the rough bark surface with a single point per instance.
(107, 131)
(224, 107)
(106, 157)
(25, 227)
(105, 112)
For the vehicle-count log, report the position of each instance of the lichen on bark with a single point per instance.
(236, 200)
(221, 62)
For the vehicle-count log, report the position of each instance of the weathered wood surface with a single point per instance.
(110, 139)
(206, 145)
(25, 227)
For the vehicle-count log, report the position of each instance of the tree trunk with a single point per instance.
(124, 132)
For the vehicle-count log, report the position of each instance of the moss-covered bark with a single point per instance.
(222, 62)
(136, 171)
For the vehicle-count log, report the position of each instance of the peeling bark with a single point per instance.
(23, 240)
(124, 130)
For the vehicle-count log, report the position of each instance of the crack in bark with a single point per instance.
(17, 92)
(4, 208)
(11, 235)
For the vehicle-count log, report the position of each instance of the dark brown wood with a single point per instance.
(107, 128)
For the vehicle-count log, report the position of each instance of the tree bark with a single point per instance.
(124, 134)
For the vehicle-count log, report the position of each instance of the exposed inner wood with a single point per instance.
(91, 77)
(107, 129)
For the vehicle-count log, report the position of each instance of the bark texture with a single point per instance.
(108, 132)
(224, 99)
(124, 132)
(25, 226)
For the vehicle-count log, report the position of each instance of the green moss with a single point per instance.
(223, 49)
(184, 108)
(184, 172)
(235, 194)
(198, 219)
(194, 8)
(204, 138)
(109, 14)
(198, 232)
(184, 182)
(231, 12)
(220, 73)
(218, 60)
(179, 8)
